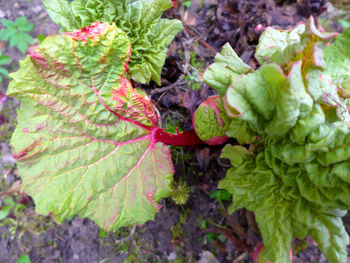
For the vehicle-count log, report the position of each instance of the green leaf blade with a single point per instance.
(150, 34)
(4, 212)
(227, 67)
(8, 23)
(337, 57)
(4, 59)
(84, 140)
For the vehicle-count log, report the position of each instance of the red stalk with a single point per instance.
(187, 138)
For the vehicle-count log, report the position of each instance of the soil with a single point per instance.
(201, 230)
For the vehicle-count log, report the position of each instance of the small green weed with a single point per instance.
(15, 33)
(23, 259)
(177, 229)
(344, 23)
(187, 3)
(41, 38)
(220, 195)
(20, 219)
(194, 72)
(180, 193)
(10, 206)
(3, 60)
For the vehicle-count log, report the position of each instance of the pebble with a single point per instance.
(2, 14)
(172, 256)
(208, 257)
(37, 9)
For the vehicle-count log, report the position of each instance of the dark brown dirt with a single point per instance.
(180, 232)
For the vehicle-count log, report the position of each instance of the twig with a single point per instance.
(15, 188)
(8, 172)
(132, 232)
(201, 40)
(241, 258)
(223, 164)
(167, 88)
(179, 80)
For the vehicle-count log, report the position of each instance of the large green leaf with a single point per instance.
(337, 57)
(268, 100)
(149, 34)
(254, 186)
(272, 192)
(296, 176)
(85, 139)
(324, 226)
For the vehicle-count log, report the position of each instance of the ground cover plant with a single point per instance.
(16, 33)
(85, 103)
(292, 111)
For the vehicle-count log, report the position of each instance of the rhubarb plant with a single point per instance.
(149, 34)
(293, 113)
(87, 142)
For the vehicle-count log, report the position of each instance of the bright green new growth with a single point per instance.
(84, 140)
(15, 32)
(3, 61)
(297, 179)
(149, 34)
(227, 67)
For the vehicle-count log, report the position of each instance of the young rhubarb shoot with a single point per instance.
(293, 110)
(87, 142)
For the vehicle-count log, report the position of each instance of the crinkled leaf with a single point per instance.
(304, 42)
(227, 67)
(268, 100)
(272, 193)
(279, 46)
(61, 13)
(84, 140)
(240, 130)
(149, 34)
(149, 54)
(297, 179)
(236, 154)
(337, 57)
(325, 227)
(255, 187)
(330, 234)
